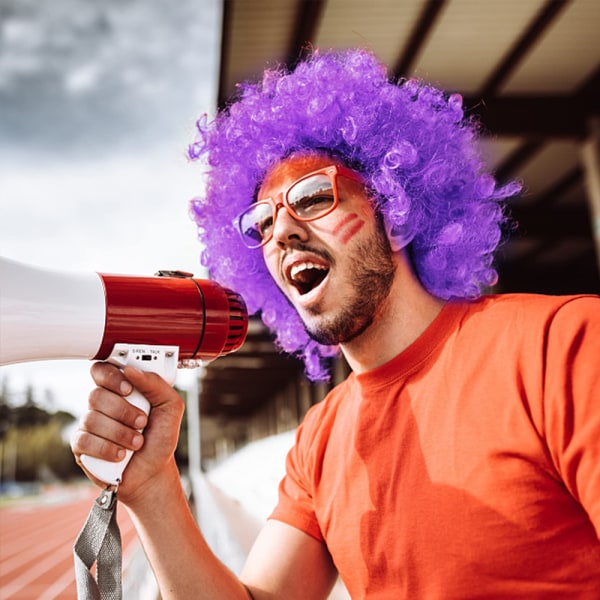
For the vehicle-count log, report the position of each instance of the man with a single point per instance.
(461, 458)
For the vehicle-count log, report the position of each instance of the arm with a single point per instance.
(284, 563)
(572, 401)
(287, 563)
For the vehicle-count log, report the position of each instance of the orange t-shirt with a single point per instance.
(466, 467)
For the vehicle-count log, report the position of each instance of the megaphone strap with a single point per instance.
(99, 542)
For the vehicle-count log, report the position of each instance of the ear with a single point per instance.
(399, 236)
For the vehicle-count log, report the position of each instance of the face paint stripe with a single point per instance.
(347, 219)
(356, 227)
(348, 227)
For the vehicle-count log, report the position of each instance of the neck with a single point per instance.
(405, 315)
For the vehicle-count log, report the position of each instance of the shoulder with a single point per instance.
(536, 308)
(557, 335)
(526, 327)
(573, 333)
(577, 309)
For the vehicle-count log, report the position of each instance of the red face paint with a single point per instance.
(348, 227)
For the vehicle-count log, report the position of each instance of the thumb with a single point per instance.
(152, 386)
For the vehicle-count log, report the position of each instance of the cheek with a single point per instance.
(270, 258)
(347, 227)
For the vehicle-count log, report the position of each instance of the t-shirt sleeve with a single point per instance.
(572, 400)
(295, 506)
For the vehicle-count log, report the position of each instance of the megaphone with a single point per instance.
(154, 323)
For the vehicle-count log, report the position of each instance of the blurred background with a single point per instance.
(98, 102)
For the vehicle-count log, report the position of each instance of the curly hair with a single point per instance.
(411, 142)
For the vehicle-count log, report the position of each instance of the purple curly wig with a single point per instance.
(412, 144)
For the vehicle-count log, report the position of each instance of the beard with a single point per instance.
(373, 278)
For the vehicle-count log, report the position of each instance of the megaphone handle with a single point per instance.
(158, 359)
(112, 472)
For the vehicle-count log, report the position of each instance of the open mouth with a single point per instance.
(306, 276)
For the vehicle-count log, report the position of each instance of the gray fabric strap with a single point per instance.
(99, 542)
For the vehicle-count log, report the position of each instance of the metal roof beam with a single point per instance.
(542, 21)
(226, 34)
(308, 15)
(431, 11)
(552, 225)
(537, 116)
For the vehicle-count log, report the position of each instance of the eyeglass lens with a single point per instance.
(307, 199)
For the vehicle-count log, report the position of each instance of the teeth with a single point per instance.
(296, 269)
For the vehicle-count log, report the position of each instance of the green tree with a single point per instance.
(32, 438)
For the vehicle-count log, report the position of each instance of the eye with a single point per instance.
(313, 204)
(264, 226)
(311, 196)
(257, 221)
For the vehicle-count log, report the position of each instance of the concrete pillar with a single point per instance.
(193, 385)
(591, 163)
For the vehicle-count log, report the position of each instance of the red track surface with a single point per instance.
(36, 543)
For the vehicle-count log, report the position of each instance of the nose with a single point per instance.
(286, 228)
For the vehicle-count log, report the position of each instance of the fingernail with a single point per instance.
(140, 422)
(125, 388)
(137, 440)
(120, 454)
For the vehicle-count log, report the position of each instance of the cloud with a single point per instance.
(85, 77)
(97, 105)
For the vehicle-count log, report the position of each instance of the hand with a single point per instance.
(111, 425)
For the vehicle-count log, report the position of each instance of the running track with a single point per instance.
(36, 543)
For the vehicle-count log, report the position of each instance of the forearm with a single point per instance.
(184, 565)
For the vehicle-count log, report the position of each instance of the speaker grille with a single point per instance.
(238, 322)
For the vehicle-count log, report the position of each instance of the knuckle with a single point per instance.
(87, 421)
(94, 398)
(179, 404)
(91, 445)
(102, 402)
(83, 443)
(127, 413)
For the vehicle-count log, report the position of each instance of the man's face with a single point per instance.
(336, 271)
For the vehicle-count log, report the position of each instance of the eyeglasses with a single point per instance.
(311, 197)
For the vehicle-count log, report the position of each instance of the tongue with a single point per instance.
(308, 279)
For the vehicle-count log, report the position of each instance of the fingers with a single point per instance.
(110, 425)
(103, 436)
(111, 378)
(108, 436)
(156, 390)
(85, 442)
(115, 406)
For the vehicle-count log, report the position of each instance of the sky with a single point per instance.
(98, 102)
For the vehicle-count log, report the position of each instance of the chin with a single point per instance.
(340, 329)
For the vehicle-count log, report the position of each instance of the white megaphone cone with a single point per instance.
(47, 315)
